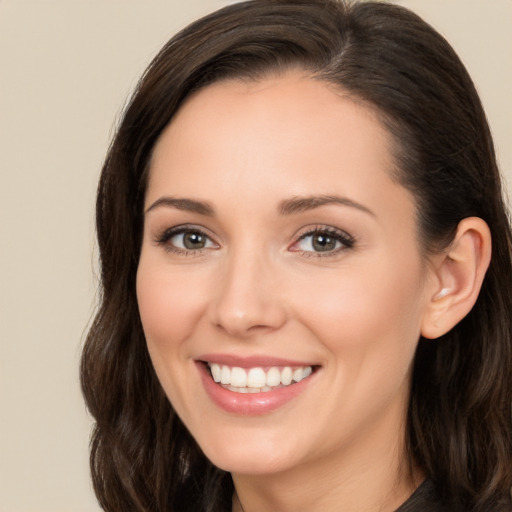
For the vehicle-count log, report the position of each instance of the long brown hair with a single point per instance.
(459, 418)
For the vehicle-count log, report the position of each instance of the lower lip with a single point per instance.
(249, 404)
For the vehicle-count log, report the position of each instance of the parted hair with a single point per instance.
(459, 423)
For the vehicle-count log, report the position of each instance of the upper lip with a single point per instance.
(250, 361)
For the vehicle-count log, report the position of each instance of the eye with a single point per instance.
(191, 240)
(323, 240)
(185, 240)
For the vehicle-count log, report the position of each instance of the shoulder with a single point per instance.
(424, 499)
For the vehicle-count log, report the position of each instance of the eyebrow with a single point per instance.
(302, 204)
(188, 205)
(286, 207)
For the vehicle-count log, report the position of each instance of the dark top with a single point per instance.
(424, 499)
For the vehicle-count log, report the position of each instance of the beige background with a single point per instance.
(66, 67)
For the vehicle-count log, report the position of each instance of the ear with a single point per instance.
(459, 272)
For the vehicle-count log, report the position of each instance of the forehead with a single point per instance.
(284, 135)
(285, 106)
(285, 116)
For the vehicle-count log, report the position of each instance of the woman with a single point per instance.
(300, 310)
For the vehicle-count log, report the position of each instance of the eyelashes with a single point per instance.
(319, 241)
(186, 239)
(323, 241)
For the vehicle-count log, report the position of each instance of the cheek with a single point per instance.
(169, 304)
(170, 307)
(370, 311)
(369, 326)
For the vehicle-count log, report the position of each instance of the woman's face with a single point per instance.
(277, 244)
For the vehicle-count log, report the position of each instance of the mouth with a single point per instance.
(254, 385)
(257, 379)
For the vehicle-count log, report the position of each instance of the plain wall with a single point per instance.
(66, 68)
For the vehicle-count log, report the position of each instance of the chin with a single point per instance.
(256, 458)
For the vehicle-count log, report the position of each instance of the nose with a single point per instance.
(248, 299)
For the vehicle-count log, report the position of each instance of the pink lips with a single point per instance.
(249, 404)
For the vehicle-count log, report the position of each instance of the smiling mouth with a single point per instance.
(257, 379)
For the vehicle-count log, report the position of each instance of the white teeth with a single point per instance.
(273, 377)
(216, 372)
(256, 380)
(238, 377)
(298, 375)
(244, 390)
(225, 375)
(286, 376)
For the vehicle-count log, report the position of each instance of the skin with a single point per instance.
(257, 288)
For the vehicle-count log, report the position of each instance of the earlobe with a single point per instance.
(459, 271)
